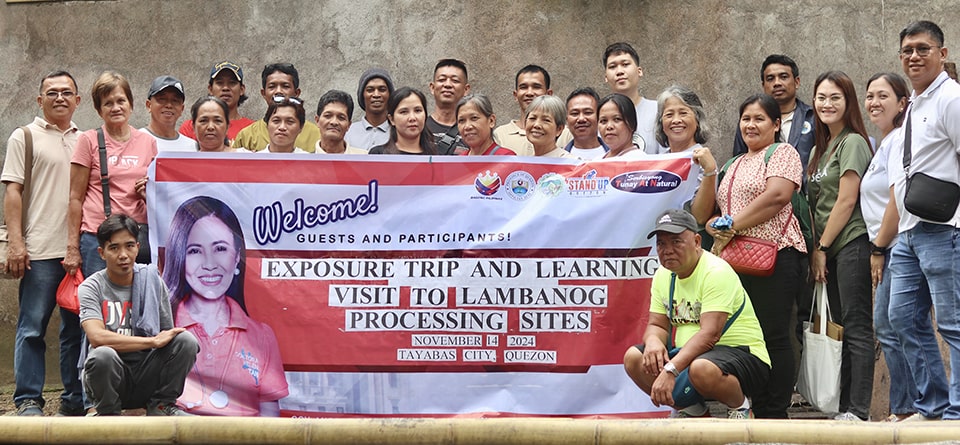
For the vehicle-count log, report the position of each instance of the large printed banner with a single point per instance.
(438, 286)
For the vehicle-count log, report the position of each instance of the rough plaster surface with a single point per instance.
(712, 46)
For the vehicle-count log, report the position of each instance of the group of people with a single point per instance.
(75, 202)
(869, 236)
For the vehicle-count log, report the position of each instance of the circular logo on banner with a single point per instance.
(520, 185)
(551, 184)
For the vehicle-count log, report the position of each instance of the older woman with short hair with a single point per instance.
(543, 122)
(128, 154)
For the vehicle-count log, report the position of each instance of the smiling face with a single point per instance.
(542, 130)
(333, 121)
(283, 127)
(375, 96)
(679, 124)
(922, 71)
(226, 87)
(582, 118)
(58, 110)
(882, 104)
(623, 74)
(756, 127)
(165, 107)
(779, 82)
(409, 118)
(475, 128)
(115, 107)
(211, 258)
(613, 128)
(529, 87)
(210, 127)
(830, 105)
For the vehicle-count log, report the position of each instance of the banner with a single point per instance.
(439, 286)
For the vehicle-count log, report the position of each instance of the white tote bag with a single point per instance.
(819, 379)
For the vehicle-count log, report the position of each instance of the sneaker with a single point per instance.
(917, 417)
(690, 412)
(165, 409)
(739, 413)
(30, 407)
(66, 411)
(848, 417)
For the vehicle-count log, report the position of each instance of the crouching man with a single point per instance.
(136, 357)
(718, 352)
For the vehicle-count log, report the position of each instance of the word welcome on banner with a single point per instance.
(404, 285)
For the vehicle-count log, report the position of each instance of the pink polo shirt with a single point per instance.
(241, 359)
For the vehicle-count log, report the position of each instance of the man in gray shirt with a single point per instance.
(136, 357)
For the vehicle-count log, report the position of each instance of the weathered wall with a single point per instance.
(712, 46)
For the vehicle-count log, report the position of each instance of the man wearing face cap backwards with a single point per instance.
(719, 350)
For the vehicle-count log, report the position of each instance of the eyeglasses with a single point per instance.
(53, 95)
(923, 51)
(282, 100)
(835, 99)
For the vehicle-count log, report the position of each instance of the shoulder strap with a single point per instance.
(104, 176)
(27, 178)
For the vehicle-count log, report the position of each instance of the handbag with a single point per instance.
(143, 255)
(67, 295)
(24, 203)
(748, 255)
(819, 378)
(684, 394)
(925, 196)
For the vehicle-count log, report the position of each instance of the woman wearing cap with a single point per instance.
(754, 199)
(128, 154)
(284, 118)
(210, 118)
(475, 122)
(543, 122)
(239, 371)
(407, 113)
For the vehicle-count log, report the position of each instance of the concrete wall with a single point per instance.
(712, 46)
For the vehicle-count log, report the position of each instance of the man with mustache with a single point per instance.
(374, 90)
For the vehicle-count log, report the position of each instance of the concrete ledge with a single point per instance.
(235, 430)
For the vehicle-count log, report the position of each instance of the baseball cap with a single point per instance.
(674, 221)
(163, 82)
(227, 65)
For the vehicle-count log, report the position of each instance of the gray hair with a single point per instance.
(691, 100)
(552, 105)
(482, 102)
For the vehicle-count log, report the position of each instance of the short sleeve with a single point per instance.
(785, 163)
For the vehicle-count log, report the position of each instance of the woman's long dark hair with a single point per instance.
(191, 211)
(852, 119)
(426, 138)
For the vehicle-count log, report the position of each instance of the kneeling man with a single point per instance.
(721, 353)
(136, 357)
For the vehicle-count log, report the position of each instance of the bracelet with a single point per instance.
(709, 174)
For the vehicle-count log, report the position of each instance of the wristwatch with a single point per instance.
(671, 369)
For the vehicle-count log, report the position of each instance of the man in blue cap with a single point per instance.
(719, 352)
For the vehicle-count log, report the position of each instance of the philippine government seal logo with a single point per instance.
(551, 184)
(520, 185)
(487, 184)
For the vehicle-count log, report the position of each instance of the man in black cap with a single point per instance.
(374, 90)
(165, 104)
(226, 83)
(719, 350)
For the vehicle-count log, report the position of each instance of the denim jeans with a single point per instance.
(928, 252)
(92, 262)
(772, 299)
(37, 299)
(851, 295)
(903, 389)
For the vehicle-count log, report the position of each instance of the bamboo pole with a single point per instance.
(456, 431)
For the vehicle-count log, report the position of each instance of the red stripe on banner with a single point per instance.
(395, 171)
